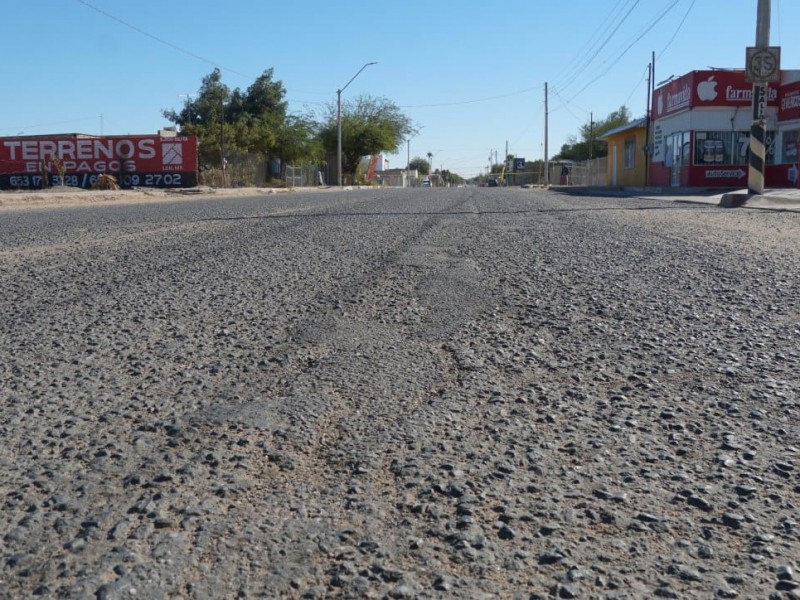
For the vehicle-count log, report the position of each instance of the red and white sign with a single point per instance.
(789, 108)
(706, 89)
(148, 161)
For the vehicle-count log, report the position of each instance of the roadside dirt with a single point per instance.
(66, 196)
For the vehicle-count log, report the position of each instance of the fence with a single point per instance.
(251, 170)
(525, 177)
(308, 175)
(585, 173)
(241, 170)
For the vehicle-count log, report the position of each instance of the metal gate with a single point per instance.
(308, 175)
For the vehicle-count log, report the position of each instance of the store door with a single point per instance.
(673, 158)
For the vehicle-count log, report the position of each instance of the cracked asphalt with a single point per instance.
(438, 393)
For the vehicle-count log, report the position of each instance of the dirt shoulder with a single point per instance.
(66, 196)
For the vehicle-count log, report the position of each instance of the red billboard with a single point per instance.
(135, 160)
(711, 89)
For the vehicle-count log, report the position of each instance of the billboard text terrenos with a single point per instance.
(150, 161)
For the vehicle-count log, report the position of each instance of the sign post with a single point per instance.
(763, 66)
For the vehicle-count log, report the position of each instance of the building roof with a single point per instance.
(637, 124)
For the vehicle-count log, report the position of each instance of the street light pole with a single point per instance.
(339, 121)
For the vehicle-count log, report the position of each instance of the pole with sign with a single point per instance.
(763, 67)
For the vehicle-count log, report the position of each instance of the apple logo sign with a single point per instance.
(707, 90)
(660, 103)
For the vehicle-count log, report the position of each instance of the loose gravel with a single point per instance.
(460, 393)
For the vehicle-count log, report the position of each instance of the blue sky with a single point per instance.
(470, 74)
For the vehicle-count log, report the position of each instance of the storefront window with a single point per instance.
(772, 138)
(685, 148)
(712, 148)
(789, 148)
(741, 146)
(728, 148)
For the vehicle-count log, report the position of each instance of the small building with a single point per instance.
(701, 130)
(627, 159)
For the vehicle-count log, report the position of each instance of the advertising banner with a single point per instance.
(789, 109)
(712, 89)
(136, 161)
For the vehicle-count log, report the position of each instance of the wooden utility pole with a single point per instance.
(546, 162)
(648, 148)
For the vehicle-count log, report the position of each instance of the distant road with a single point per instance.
(473, 392)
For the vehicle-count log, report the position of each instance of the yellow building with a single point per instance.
(626, 165)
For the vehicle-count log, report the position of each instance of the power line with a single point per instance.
(24, 127)
(160, 40)
(566, 104)
(680, 25)
(625, 51)
(567, 73)
(573, 75)
(636, 87)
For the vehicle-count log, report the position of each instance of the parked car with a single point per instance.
(426, 183)
(492, 182)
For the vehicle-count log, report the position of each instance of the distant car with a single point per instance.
(492, 182)
(426, 183)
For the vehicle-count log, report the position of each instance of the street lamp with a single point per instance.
(339, 120)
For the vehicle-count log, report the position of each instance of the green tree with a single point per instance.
(253, 121)
(579, 149)
(420, 164)
(369, 126)
(203, 116)
(296, 140)
(451, 178)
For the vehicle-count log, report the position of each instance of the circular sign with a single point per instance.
(763, 64)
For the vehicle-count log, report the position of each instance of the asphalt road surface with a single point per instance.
(438, 393)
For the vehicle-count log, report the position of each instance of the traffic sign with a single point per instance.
(763, 64)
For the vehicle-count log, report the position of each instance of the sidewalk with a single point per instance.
(784, 199)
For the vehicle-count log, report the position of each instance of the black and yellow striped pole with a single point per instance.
(758, 136)
(758, 129)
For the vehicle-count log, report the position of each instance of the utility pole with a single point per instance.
(505, 160)
(546, 163)
(758, 133)
(222, 138)
(648, 118)
(590, 180)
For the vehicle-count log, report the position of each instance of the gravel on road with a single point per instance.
(440, 393)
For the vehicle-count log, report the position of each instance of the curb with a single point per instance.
(733, 200)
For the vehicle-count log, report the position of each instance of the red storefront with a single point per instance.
(701, 130)
(135, 160)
